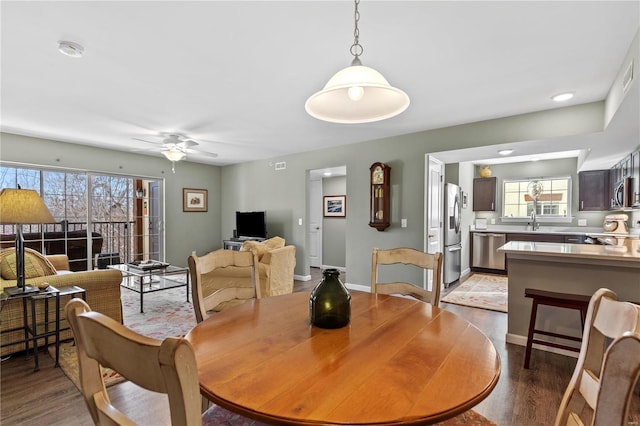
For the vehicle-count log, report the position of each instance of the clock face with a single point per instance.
(378, 175)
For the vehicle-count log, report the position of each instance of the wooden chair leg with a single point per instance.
(532, 326)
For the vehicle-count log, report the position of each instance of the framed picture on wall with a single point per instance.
(335, 205)
(194, 200)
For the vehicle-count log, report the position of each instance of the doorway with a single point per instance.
(323, 231)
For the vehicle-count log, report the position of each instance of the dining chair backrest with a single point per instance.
(608, 366)
(408, 256)
(200, 267)
(166, 366)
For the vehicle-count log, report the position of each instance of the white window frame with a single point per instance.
(541, 218)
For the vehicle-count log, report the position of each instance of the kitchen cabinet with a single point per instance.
(537, 237)
(484, 194)
(594, 190)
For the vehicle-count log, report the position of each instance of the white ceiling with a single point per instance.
(234, 76)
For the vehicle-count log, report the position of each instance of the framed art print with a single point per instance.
(194, 200)
(335, 205)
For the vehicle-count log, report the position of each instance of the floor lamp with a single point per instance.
(19, 207)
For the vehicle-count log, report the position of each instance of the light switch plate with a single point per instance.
(403, 223)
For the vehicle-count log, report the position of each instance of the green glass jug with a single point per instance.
(330, 302)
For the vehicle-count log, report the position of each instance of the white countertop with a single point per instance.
(515, 229)
(629, 252)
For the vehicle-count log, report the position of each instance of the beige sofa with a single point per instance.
(102, 287)
(277, 263)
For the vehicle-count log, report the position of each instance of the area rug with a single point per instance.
(481, 291)
(166, 313)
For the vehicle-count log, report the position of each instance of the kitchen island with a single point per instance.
(566, 268)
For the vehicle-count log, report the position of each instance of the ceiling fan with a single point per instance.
(175, 147)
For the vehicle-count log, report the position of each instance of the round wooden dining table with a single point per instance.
(399, 361)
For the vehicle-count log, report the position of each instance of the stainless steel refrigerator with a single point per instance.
(452, 237)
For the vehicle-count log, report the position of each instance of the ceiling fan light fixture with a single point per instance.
(357, 94)
(173, 154)
(71, 49)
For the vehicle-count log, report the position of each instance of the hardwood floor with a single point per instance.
(521, 397)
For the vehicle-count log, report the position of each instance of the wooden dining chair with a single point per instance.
(600, 390)
(210, 294)
(408, 256)
(165, 366)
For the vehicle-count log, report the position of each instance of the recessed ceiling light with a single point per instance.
(71, 49)
(561, 97)
(505, 151)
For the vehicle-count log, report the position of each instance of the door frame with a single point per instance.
(430, 159)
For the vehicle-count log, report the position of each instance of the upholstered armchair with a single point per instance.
(277, 262)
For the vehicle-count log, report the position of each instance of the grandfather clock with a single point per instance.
(380, 196)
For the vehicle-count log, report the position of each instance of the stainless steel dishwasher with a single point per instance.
(485, 250)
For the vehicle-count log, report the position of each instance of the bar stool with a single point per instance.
(560, 300)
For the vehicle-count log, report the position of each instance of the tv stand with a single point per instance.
(236, 243)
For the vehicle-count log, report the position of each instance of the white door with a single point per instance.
(433, 198)
(315, 223)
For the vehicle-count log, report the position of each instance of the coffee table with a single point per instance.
(151, 280)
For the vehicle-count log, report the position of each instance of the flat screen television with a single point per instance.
(251, 224)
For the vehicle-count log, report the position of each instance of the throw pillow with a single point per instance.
(35, 265)
(256, 246)
(274, 242)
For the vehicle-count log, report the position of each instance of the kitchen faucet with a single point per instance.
(534, 189)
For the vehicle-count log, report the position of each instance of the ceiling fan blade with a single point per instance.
(142, 140)
(188, 143)
(203, 153)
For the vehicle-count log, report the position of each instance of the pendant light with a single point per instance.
(357, 94)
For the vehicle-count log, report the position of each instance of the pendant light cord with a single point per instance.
(356, 48)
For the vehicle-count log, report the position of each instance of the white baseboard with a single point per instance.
(302, 277)
(358, 287)
(516, 339)
(339, 268)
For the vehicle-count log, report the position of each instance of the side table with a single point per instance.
(43, 330)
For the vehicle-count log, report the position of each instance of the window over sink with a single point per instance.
(553, 203)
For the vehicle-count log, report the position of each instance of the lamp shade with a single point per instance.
(22, 206)
(357, 94)
(173, 154)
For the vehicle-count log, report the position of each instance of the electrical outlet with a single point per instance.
(582, 222)
(403, 223)
(300, 221)
(493, 221)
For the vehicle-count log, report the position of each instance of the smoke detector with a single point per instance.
(71, 49)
